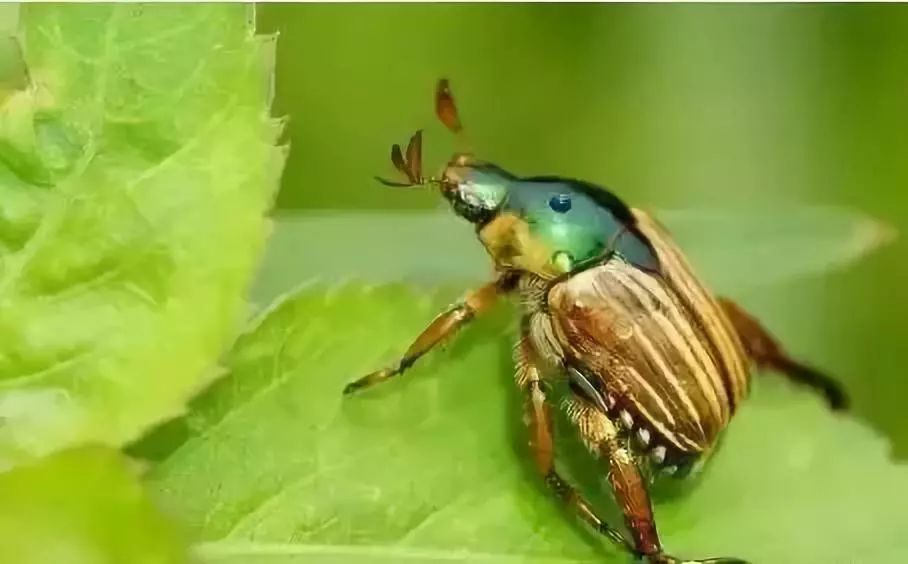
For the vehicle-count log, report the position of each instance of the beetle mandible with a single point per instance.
(655, 363)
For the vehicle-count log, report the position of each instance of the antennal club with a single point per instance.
(410, 166)
(445, 108)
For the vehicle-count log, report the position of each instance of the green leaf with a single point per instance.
(273, 465)
(12, 67)
(135, 170)
(733, 250)
(83, 506)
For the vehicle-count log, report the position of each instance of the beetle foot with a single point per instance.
(667, 559)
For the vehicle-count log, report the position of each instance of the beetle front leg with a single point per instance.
(443, 326)
(767, 353)
(538, 418)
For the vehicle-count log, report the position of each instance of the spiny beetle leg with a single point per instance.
(443, 326)
(767, 353)
(539, 423)
(633, 498)
(627, 483)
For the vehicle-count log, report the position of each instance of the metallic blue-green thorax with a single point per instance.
(569, 216)
(571, 219)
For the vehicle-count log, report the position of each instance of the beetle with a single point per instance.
(655, 364)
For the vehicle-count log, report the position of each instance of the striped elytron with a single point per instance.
(656, 364)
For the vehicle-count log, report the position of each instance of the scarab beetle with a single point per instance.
(655, 364)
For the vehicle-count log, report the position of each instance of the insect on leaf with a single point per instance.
(273, 464)
(135, 170)
(732, 251)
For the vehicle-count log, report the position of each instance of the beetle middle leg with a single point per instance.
(538, 418)
(443, 326)
(767, 353)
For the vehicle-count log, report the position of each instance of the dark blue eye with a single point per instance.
(560, 203)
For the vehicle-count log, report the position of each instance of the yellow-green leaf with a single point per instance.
(135, 169)
(83, 506)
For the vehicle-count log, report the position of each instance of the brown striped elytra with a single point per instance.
(656, 364)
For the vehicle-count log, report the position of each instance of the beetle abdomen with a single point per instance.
(659, 344)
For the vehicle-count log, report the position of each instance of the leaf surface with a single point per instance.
(83, 506)
(273, 465)
(136, 166)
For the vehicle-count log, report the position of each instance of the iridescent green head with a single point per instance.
(475, 190)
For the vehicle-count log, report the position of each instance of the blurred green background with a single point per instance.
(738, 106)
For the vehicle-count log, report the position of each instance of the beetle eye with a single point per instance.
(560, 203)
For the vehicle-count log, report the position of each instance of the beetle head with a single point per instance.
(475, 189)
(547, 225)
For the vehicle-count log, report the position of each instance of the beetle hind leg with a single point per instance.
(767, 353)
(601, 436)
(628, 484)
